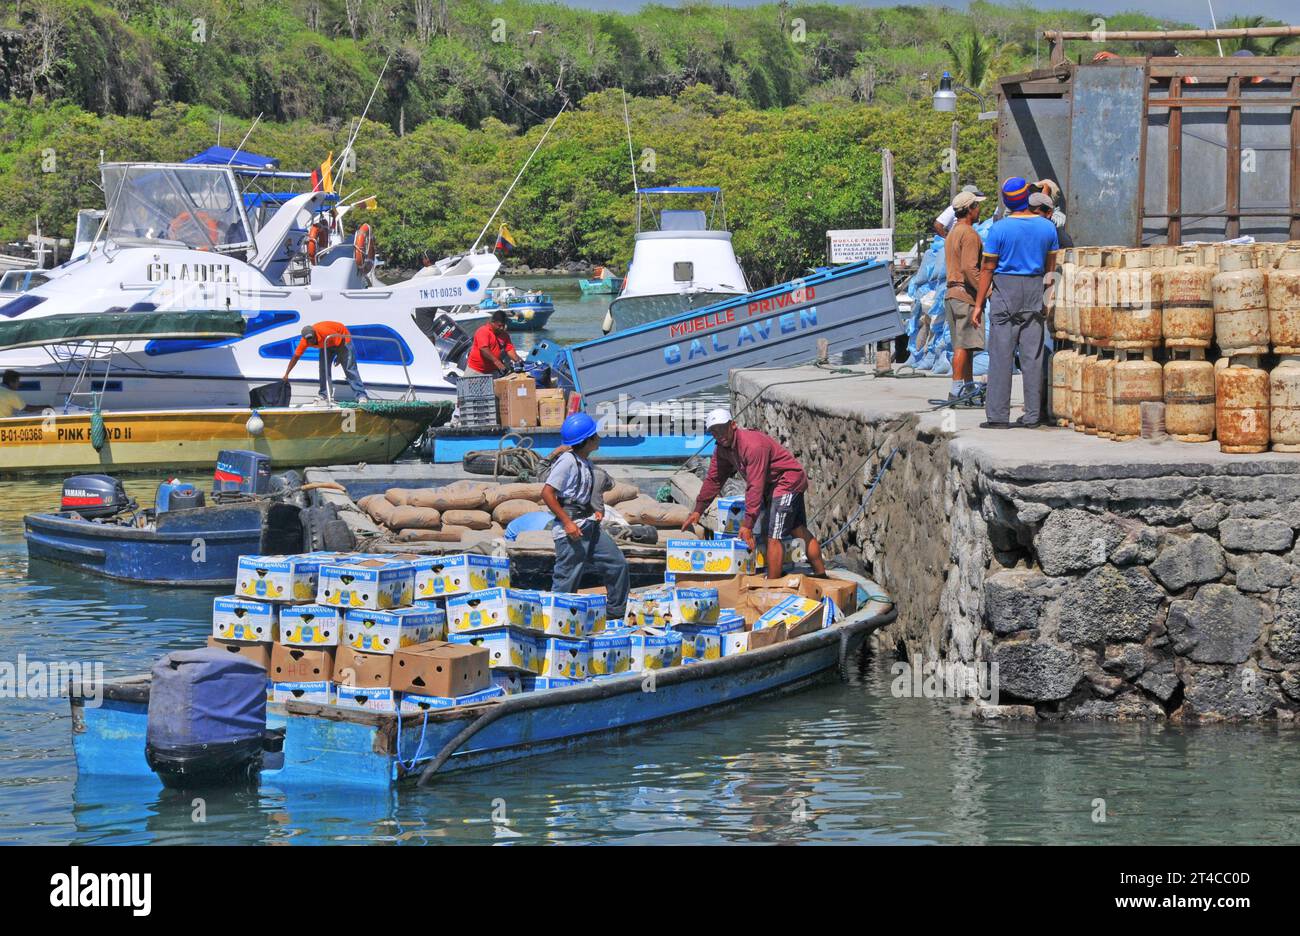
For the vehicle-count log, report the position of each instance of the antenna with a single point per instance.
(1214, 25)
(244, 140)
(627, 122)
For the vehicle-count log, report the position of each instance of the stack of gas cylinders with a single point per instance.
(1212, 331)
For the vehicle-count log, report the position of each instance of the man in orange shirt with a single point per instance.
(334, 342)
(492, 348)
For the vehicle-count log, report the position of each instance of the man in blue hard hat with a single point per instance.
(571, 494)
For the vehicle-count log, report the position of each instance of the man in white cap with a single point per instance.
(774, 486)
(948, 217)
(961, 251)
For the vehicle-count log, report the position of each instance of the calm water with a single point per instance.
(841, 763)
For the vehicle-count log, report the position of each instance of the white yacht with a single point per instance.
(178, 237)
(680, 261)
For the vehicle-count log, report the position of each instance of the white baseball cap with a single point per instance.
(717, 417)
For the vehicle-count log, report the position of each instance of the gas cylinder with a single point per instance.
(1284, 404)
(1189, 398)
(1188, 313)
(1134, 381)
(1061, 362)
(1106, 295)
(1087, 266)
(1078, 399)
(1284, 302)
(1136, 307)
(1105, 394)
(1240, 303)
(1241, 417)
(1063, 326)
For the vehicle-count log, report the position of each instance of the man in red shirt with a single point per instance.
(774, 484)
(492, 347)
(334, 342)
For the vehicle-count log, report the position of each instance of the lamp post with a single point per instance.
(945, 101)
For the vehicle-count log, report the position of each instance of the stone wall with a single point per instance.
(1101, 591)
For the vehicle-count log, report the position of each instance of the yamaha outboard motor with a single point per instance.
(95, 496)
(207, 718)
(241, 472)
(450, 340)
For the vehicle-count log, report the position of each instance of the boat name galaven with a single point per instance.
(753, 332)
(192, 272)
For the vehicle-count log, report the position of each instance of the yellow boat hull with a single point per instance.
(176, 439)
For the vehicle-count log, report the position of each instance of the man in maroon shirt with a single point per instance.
(774, 484)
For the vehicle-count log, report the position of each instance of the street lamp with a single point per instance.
(945, 99)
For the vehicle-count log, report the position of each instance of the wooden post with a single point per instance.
(1174, 174)
(1232, 200)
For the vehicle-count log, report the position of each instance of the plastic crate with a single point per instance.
(475, 387)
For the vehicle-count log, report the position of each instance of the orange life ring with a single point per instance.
(199, 219)
(363, 250)
(317, 240)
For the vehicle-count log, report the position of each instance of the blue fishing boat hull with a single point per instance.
(333, 746)
(196, 547)
(450, 446)
(529, 317)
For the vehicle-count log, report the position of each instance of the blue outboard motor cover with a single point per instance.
(241, 472)
(205, 697)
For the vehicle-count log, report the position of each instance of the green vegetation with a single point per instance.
(787, 106)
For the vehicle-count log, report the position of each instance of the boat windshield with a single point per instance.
(197, 206)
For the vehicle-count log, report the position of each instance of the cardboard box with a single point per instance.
(494, 607)
(695, 605)
(235, 618)
(840, 591)
(438, 668)
(562, 656)
(736, 642)
(653, 649)
(321, 692)
(516, 400)
(301, 664)
(362, 670)
(649, 607)
(511, 682)
(389, 631)
(310, 625)
(728, 586)
(609, 653)
(565, 615)
(368, 698)
(277, 578)
(535, 683)
(411, 703)
(458, 574)
(259, 653)
(550, 407)
(374, 584)
(596, 612)
(731, 512)
(508, 647)
(728, 556)
(796, 614)
(757, 639)
(705, 641)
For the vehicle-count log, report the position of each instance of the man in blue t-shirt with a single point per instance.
(1018, 254)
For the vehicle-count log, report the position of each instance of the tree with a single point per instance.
(975, 58)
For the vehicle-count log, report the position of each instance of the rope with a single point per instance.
(863, 505)
(419, 748)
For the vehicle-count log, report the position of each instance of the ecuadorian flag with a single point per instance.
(321, 179)
(505, 241)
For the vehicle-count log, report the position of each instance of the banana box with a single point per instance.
(494, 607)
(695, 606)
(535, 683)
(320, 691)
(235, 618)
(508, 681)
(564, 657)
(705, 641)
(389, 631)
(374, 584)
(277, 578)
(795, 615)
(564, 614)
(310, 625)
(508, 647)
(437, 576)
(650, 607)
(597, 609)
(731, 512)
(369, 698)
(726, 556)
(410, 703)
(610, 652)
(653, 649)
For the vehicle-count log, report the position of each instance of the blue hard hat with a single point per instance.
(577, 429)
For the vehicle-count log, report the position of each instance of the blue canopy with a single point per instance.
(225, 156)
(680, 190)
(258, 199)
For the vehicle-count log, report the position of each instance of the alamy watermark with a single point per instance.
(938, 679)
(50, 679)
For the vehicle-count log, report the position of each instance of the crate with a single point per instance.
(475, 413)
(475, 387)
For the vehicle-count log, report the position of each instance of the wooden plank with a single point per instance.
(1174, 173)
(1232, 201)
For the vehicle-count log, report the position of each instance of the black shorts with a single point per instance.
(783, 514)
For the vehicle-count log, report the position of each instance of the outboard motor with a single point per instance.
(207, 718)
(95, 496)
(241, 472)
(173, 495)
(450, 340)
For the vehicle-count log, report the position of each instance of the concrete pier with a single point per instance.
(1103, 579)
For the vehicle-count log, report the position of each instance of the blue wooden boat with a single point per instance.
(529, 311)
(603, 282)
(450, 445)
(327, 746)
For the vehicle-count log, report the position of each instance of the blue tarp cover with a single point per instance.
(205, 696)
(225, 156)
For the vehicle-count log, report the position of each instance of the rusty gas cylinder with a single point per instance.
(1087, 263)
(1189, 398)
(1284, 404)
(1240, 303)
(1188, 313)
(1135, 319)
(1061, 362)
(1078, 407)
(1064, 326)
(1134, 381)
(1284, 302)
(1241, 407)
(1106, 295)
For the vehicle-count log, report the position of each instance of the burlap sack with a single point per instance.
(446, 498)
(621, 491)
(414, 518)
(377, 507)
(513, 509)
(650, 511)
(397, 496)
(430, 536)
(473, 519)
(508, 492)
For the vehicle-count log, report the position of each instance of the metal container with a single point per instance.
(1284, 302)
(1092, 388)
(1063, 310)
(1136, 308)
(1188, 313)
(1079, 401)
(1061, 402)
(1106, 295)
(1241, 406)
(1284, 404)
(1189, 398)
(1105, 396)
(1087, 264)
(1134, 381)
(1240, 303)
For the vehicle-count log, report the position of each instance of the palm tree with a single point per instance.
(975, 58)
(1274, 45)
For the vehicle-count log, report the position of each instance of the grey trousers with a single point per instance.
(596, 551)
(1016, 323)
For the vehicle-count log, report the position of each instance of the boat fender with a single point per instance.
(255, 425)
(363, 250)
